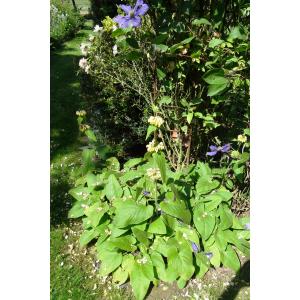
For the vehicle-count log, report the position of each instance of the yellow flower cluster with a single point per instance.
(156, 121)
(83, 127)
(235, 154)
(154, 173)
(153, 147)
(81, 113)
(242, 138)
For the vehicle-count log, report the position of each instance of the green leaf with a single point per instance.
(215, 42)
(130, 213)
(89, 235)
(140, 278)
(189, 117)
(204, 222)
(236, 33)
(87, 158)
(176, 209)
(124, 243)
(165, 100)
(158, 226)
(133, 55)
(91, 135)
(215, 76)
(216, 258)
(160, 39)
(113, 189)
(160, 47)
(225, 216)
(80, 193)
(230, 259)
(96, 212)
(216, 89)
(180, 263)
(162, 165)
(203, 263)
(110, 260)
(141, 236)
(113, 164)
(198, 22)
(120, 31)
(158, 263)
(76, 211)
(205, 185)
(150, 130)
(133, 162)
(120, 276)
(161, 75)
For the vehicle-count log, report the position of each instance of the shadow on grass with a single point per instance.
(241, 279)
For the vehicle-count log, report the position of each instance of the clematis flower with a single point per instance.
(214, 149)
(132, 17)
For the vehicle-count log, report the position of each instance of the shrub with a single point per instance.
(151, 223)
(101, 8)
(64, 22)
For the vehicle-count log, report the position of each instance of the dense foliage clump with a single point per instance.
(172, 76)
(64, 22)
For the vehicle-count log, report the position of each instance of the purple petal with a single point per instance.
(135, 21)
(123, 21)
(213, 148)
(140, 10)
(126, 8)
(225, 148)
(195, 247)
(247, 226)
(212, 153)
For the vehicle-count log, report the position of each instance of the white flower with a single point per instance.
(115, 50)
(97, 28)
(152, 147)
(83, 64)
(154, 173)
(156, 121)
(91, 38)
(85, 48)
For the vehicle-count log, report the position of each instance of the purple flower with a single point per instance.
(195, 247)
(214, 149)
(247, 226)
(133, 14)
(209, 255)
(146, 193)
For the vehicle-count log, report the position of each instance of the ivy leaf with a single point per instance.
(113, 189)
(130, 213)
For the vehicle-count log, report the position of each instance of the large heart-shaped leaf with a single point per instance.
(113, 188)
(176, 209)
(204, 222)
(130, 213)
